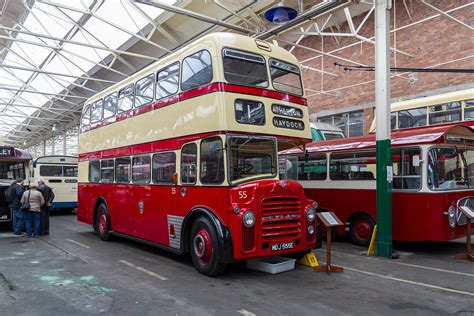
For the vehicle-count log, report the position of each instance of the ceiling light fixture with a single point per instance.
(280, 14)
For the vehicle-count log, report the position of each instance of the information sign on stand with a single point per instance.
(329, 220)
(469, 214)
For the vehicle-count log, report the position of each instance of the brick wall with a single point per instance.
(435, 41)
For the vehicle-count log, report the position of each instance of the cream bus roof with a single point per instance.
(215, 39)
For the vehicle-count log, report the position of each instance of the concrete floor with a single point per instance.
(72, 272)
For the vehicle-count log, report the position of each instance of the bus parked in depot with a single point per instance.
(446, 108)
(59, 173)
(183, 154)
(325, 131)
(433, 167)
(13, 165)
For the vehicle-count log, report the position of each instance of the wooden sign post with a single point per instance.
(329, 220)
(469, 214)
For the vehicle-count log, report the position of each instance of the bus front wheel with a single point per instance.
(361, 228)
(204, 247)
(103, 223)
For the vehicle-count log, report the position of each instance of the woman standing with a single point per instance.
(35, 200)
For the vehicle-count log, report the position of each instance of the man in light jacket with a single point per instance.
(33, 215)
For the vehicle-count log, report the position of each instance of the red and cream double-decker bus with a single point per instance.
(433, 167)
(14, 164)
(183, 154)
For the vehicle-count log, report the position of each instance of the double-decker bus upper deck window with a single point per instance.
(144, 90)
(125, 99)
(212, 161)
(196, 70)
(450, 168)
(250, 158)
(51, 171)
(164, 166)
(412, 118)
(70, 171)
(94, 171)
(122, 170)
(286, 77)
(312, 168)
(86, 116)
(189, 163)
(141, 169)
(352, 166)
(244, 68)
(249, 112)
(110, 105)
(469, 110)
(445, 113)
(406, 175)
(96, 111)
(167, 81)
(107, 171)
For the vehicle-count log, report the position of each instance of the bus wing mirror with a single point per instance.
(416, 161)
(175, 178)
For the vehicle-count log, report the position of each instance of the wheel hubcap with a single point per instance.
(102, 222)
(362, 230)
(202, 245)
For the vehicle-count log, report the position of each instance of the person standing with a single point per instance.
(33, 215)
(48, 196)
(13, 195)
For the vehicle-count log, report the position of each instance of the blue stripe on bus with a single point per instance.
(64, 204)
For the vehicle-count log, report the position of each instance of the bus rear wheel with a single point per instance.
(204, 247)
(361, 228)
(103, 223)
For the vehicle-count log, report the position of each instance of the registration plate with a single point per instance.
(283, 246)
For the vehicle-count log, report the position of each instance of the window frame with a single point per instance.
(181, 164)
(152, 169)
(300, 75)
(368, 150)
(129, 170)
(308, 158)
(132, 95)
(178, 86)
(265, 63)
(421, 168)
(107, 168)
(152, 75)
(93, 107)
(182, 68)
(87, 109)
(245, 100)
(149, 172)
(116, 105)
(89, 170)
(224, 167)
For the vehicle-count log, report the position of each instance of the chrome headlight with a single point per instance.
(310, 229)
(249, 219)
(310, 213)
(452, 216)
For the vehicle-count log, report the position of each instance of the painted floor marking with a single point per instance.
(151, 273)
(78, 243)
(411, 265)
(388, 277)
(246, 312)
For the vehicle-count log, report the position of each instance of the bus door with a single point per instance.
(144, 208)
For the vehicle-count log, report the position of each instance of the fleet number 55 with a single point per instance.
(242, 194)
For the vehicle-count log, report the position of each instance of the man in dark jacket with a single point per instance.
(18, 216)
(48, 196)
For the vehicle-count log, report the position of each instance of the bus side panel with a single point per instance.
(85, 208)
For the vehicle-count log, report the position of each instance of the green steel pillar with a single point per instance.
(382, 106)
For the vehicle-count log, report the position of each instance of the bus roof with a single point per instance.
(56, 159)
(433, 100)
(9, 153)
(415, 136)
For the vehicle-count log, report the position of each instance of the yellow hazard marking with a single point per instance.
(309, 260)
(372, 245)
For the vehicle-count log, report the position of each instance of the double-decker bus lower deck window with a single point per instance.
(251, 158)
(249, 112)
(51, 171)
(125, 99)
(352, 166)
(107, 171)
(141, 169)
(244, 68)
(189, 163)
(122, 170)
(110, 105)
(312, 168)
(96, 111)
(286, 77)
(94, 171)
(197, 70)
(164, 166)
(450, 168)
(406, 175)
(212, 161)
(412, 118)
(445, 113)
(12, 170)
(167, 81)
(144, 91)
